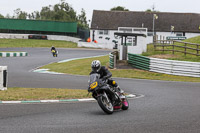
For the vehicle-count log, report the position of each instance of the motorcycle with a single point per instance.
(55, 53)
(108, 97)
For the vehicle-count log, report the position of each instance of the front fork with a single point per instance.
(106, 97)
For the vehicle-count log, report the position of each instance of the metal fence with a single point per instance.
(137, 61)
(178, 46)
(113, 59)
(182, 68)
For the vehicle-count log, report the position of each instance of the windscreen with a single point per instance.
(93, 77)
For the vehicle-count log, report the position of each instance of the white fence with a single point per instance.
(50, 37)
(182, 68)
(95, 45)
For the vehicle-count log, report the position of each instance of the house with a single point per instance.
(167, 25)
(163, 25)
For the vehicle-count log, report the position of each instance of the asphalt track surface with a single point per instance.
(167, 107)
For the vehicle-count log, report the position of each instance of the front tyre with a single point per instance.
(105, 104)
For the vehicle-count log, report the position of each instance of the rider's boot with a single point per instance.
(119, 89)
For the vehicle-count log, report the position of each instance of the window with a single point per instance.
(131, 41)
(179, 34)
(134, 41)
(125, 30)
(140, 30)
(103, 32)
(100, 32)
(150, 34)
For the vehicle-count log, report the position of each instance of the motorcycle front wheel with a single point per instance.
(105, 104)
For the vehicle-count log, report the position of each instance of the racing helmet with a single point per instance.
(96, 65)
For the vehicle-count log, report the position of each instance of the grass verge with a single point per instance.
(77, 67)
(74, 67)
(5, 43)
(82, 67)
(177, 55)
(25, 94)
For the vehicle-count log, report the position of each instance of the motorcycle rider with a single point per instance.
(104, 74)
(53, 48)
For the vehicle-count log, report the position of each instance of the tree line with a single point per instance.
(58, 12)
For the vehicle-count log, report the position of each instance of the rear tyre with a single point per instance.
(105, 104)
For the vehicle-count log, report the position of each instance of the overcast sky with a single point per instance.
(186, 6)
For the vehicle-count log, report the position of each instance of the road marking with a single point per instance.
(11, 101)
(49, 101)
(131, 96)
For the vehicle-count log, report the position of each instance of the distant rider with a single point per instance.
(53, 48)
(104, 74)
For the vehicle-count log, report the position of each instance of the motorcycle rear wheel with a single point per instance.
(105, 104)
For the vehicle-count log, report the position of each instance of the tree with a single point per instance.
(46, 13)
(64, 12)
(119, 8)
(1, 16)
(8, 16)
(58, 12)
(34, 15)
(149, 10)
(20, 14)
(82, 20)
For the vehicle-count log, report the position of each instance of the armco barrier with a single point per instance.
(182, 68)
(13, 54)
(137, 61)
(111, 60)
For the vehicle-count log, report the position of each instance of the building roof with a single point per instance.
(111, 20)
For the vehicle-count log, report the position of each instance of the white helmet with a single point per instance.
(96, 65)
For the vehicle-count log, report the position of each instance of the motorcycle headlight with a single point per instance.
(93, 85)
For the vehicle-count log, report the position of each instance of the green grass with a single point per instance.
(141, 74)
(177, 55)
(5, 43)
(74, 67)
(193, 40)
(21, 94)
(78, 67)
(82, 67)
